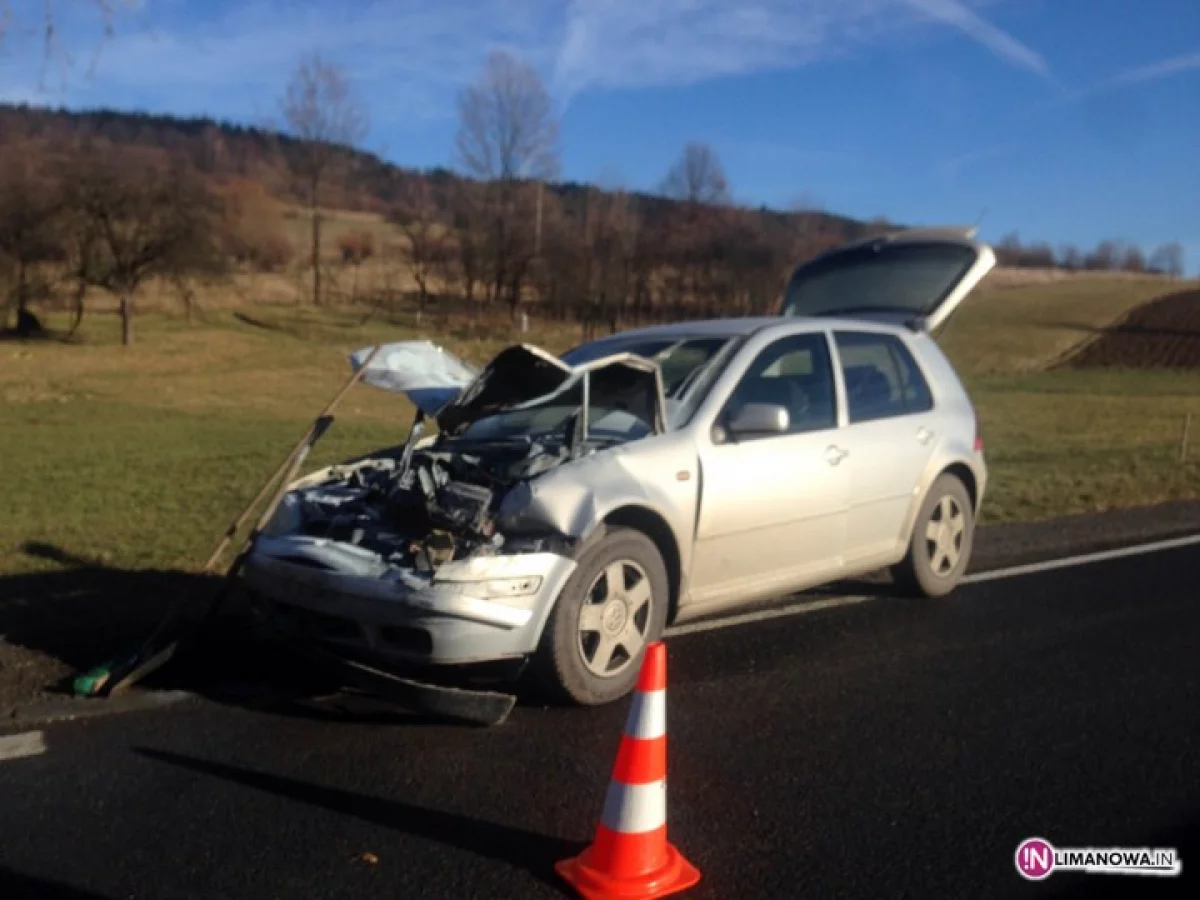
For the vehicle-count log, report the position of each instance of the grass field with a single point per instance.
(125, 464)
(138, 456)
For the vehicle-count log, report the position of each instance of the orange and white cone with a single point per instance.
(630, 856)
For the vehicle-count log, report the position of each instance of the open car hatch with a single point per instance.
(916, 277)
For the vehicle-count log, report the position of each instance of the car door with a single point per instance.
(890, 437)
(772, 506)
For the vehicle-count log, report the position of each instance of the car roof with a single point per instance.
(739, 327)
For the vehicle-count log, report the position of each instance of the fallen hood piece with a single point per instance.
(421, 370)
(443, 386)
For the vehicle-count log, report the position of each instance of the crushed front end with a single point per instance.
(401, 558)
(402, 563)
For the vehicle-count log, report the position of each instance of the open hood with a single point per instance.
(917, 277)
(451, 391)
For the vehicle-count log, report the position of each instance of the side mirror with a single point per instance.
(757, 419)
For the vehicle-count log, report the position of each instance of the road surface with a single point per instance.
(876, 749)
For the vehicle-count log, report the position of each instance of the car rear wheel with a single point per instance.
(941, 543)
(613, 605)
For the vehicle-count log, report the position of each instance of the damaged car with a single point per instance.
(558, 513)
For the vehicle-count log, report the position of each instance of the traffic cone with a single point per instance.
(630, 857)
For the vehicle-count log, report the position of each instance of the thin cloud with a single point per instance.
(413, 56)
(952, 168)
(663, 43)
(999, 42)
(1155, 71)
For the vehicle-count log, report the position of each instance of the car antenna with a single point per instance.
(974, 230)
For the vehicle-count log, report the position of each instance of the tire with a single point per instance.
(569, 659)
(927, 570)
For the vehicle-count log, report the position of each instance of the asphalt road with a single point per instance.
(889, 748)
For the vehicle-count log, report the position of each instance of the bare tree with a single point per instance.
(1133, 260)
(132, 220)
(46, 25)
(507, 126)
(426, 250)
(1168, 259)
(320, 109)
(356, 247)
(470, 235)
(698, 177)
(1009, 250)
(1105, 257)
(1069, 257)
(30, 232)
(508, 132)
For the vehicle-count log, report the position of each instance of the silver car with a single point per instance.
(569, 508)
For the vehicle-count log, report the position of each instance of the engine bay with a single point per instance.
(422, 509)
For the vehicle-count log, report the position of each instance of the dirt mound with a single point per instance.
(1161, 334)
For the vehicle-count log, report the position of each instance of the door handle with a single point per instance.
(924, 435)
(835, 454)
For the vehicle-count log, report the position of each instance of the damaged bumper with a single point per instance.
(477, 610)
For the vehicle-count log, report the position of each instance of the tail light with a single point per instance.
(978, 438)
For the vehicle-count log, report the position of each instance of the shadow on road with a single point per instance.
(528, 850)
(15, 886)
(86, 614)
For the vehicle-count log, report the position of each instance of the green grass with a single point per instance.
(1009, 330)
(137, 458)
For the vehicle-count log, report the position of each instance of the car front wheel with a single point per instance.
(941, 542)
(613, 605)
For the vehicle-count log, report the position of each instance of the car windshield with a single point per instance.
(621, 401)
(679, 358)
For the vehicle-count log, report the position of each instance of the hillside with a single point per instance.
(364, 183)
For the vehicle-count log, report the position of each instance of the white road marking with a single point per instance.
(762, 615)
(811, 606)
(1084, 559)
(15, 746)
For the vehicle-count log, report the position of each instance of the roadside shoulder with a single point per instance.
(1020, 543)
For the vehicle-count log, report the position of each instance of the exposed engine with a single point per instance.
(439, 507)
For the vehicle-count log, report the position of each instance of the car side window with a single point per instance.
(882, 378)
(795, 372)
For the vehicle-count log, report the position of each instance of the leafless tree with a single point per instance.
(134, 219)
(426, 249)
(1009, 250)
(1069, 257)
(468, 202)
(507, 125)
(46, 25)
(30, 231)
(356, 247)
(507, 134)
(1168, 259)
(321, 110)
(698, 177)
(1133, 260)
(1105, 257)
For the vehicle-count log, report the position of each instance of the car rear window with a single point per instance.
(882, 378)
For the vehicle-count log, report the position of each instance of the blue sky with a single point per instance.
(1066, 120)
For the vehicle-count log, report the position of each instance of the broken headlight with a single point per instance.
(498, 588)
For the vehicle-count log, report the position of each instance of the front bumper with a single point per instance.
(348, 599)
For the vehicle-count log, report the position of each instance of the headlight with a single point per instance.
(500, 588)
(492, 588)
